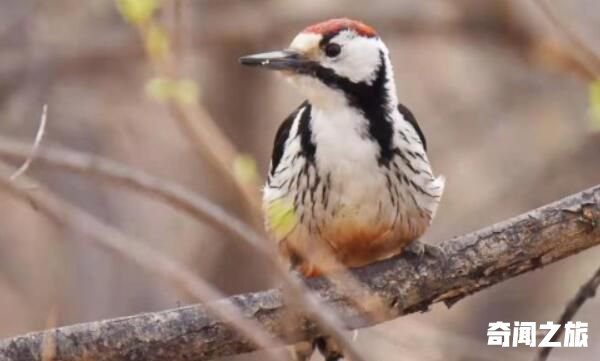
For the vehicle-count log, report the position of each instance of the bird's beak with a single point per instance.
(277, 60)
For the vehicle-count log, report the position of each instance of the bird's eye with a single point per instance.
(332, 50)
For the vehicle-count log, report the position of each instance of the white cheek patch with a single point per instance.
(358, 60)
(305, 42)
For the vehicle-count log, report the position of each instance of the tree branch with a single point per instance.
(196, 206)
(475, 261)
(63, 214)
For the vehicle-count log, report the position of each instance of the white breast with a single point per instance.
(344, 150)
(345, 199)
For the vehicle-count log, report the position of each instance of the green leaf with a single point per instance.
(281, 217)
(137, 11)
(159, 88)
(186, 91)
(594, 94)
(244, 168)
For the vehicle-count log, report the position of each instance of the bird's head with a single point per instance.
(329, 59)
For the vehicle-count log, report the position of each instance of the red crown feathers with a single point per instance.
(336, 25)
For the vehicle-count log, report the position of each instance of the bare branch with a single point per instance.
(194, 205)
(212, 144)
(36, 144)
(66, 215)
(125, 176)
(475, 262)
(586, 291)
(199, 127)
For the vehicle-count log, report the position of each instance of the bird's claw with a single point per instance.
(422, 249)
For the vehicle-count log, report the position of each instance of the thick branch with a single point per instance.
(475, 261)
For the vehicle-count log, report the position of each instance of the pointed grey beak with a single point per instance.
(277, 60)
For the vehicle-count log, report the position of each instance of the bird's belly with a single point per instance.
(359, 203)
(359, 224)
(349, 212)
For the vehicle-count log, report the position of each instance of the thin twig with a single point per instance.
(137, 181)
(588, 58)
(177, 25)
(585, 292)
(66, 215)
(36, 144)
(211, 144)
(203, 131)
(196, 206)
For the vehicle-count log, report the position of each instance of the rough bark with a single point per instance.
(407, 283)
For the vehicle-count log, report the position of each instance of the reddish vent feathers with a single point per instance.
(336, 25)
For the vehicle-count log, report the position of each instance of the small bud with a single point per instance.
(159, 88)
(281, 217)
(186, 91)
(594, 94)
(244, 168)
(137, 11)
(163, 89)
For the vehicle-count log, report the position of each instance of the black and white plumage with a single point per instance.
(350, 162)
(349, 182)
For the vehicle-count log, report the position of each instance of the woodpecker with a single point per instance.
(349, 182)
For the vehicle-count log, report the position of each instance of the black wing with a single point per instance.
(281, 136)
(409, 117)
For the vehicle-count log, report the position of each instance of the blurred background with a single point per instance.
(502, 99)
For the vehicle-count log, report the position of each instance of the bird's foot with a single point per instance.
(422, 249)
